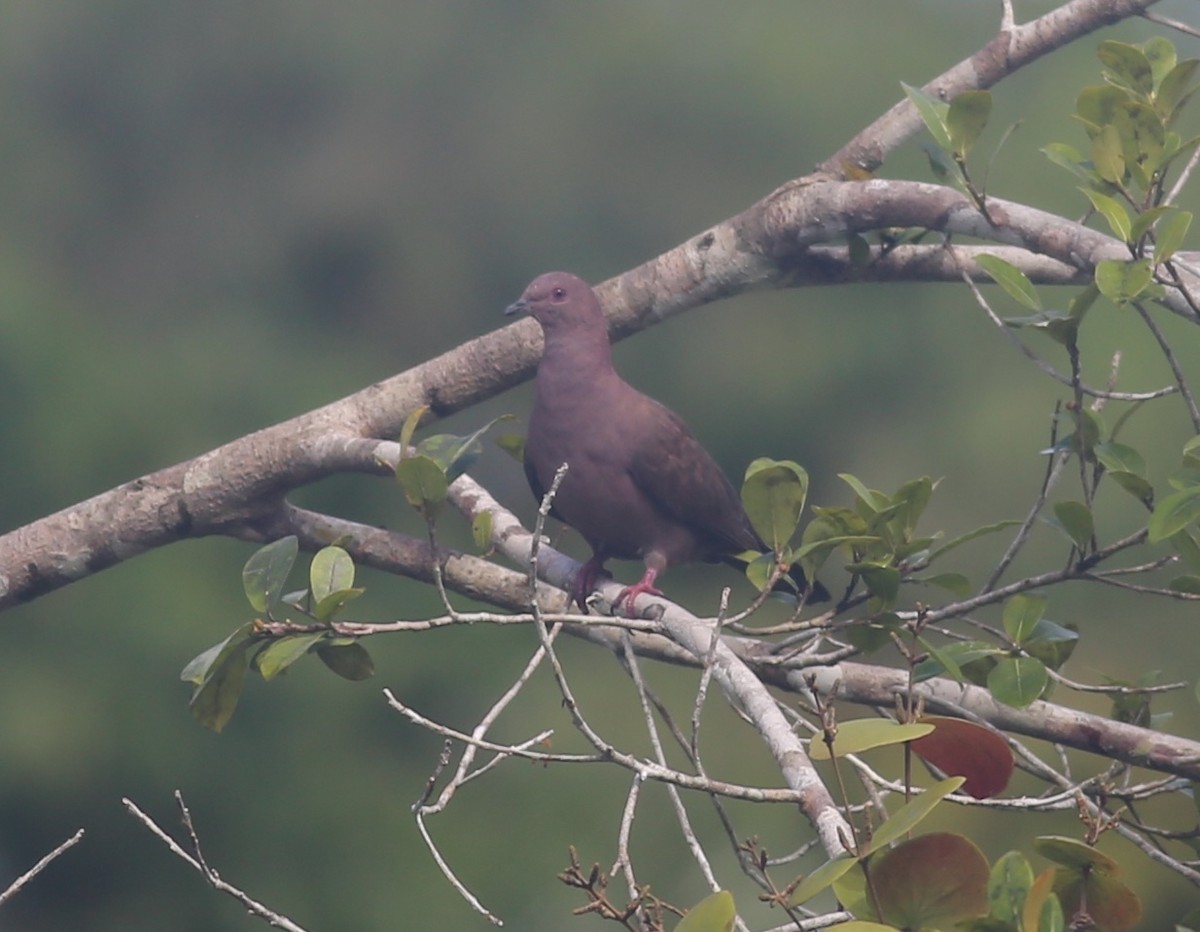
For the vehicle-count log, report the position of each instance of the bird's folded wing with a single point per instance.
(683, 481)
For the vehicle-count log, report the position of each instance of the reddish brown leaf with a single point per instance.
(964, 749)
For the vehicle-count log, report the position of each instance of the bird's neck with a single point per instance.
(578, 358)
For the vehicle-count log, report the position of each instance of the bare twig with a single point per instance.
(16, 886)
(197, 861)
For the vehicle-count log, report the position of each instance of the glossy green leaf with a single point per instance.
(1121, 281)
(1145, 221)
(864, 734)
(1160, 53)
(1009, 885)
(966, 118)
(1127, 65)
(1018, 681)
(933, 114)
(955, 583)
(1112, 211)
(266, 572)
(331, 570)
(424, 482)
(883, 582)
(1015, 282)
(1119, 457)
(1068, 157)
(481, 530)
(1021, 615)
(875, 501)
(282, 653)
(1075, 518)
(1074, 854)
(329, 606)
(513, 445)
(955, 660)
(1097, 106)
(349, 661)
(1171, 233)
(714, 913)
(410, 427)
(1051, 643)
(220, 679)
(1175, 89)
(908, 816)
(1173, 513)
(773, 493)
(821, 878)
(1108, 155)
(970, 536)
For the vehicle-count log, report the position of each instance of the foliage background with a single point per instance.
(214, 216)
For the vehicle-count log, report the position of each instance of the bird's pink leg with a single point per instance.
(646, 584)
(585, 580)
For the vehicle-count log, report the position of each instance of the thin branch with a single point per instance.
(196, 860)
(15, 887)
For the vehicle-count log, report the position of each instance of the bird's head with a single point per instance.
(559, 299)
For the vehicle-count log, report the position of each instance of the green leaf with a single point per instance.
(773, 493)
(349, 661)
(481, 530)
(1021, 614)
(1127, 65)
(331, 570)
(1075, 855)
(966, 118)
(410, 427)
(863, 734)
(1143, 222)
(1121, 281)
(1009, 884)
(970, 536)
(1112, 211)
(821, 878)
(282, 653)
(424, 482)
(513, 445)
(882, 581)
(1175, 89)
(933, 113)
(714, 913)
(908, 816)
(1015, 282)
(1160, 52)
(1108, 155)
(1097, 106)
(1171, 233)
(1051, 643)
(1075, 519)
(1174, 513)
(875, 501)
(1018, 681)
(324, 610)
(1068, 157)
(219, 674)
(955, 583)
(266, 572)
(1120, 457)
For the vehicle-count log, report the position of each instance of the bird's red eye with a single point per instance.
(558, 294)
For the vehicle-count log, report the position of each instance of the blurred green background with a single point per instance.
(215, 216)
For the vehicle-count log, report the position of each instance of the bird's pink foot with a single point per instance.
(630, 593)
(585, 581)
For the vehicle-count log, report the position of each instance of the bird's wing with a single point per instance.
(683, 481)
(535, 485)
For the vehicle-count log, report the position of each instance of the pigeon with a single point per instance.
(638, 484)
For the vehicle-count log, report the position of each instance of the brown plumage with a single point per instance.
(638, 484)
